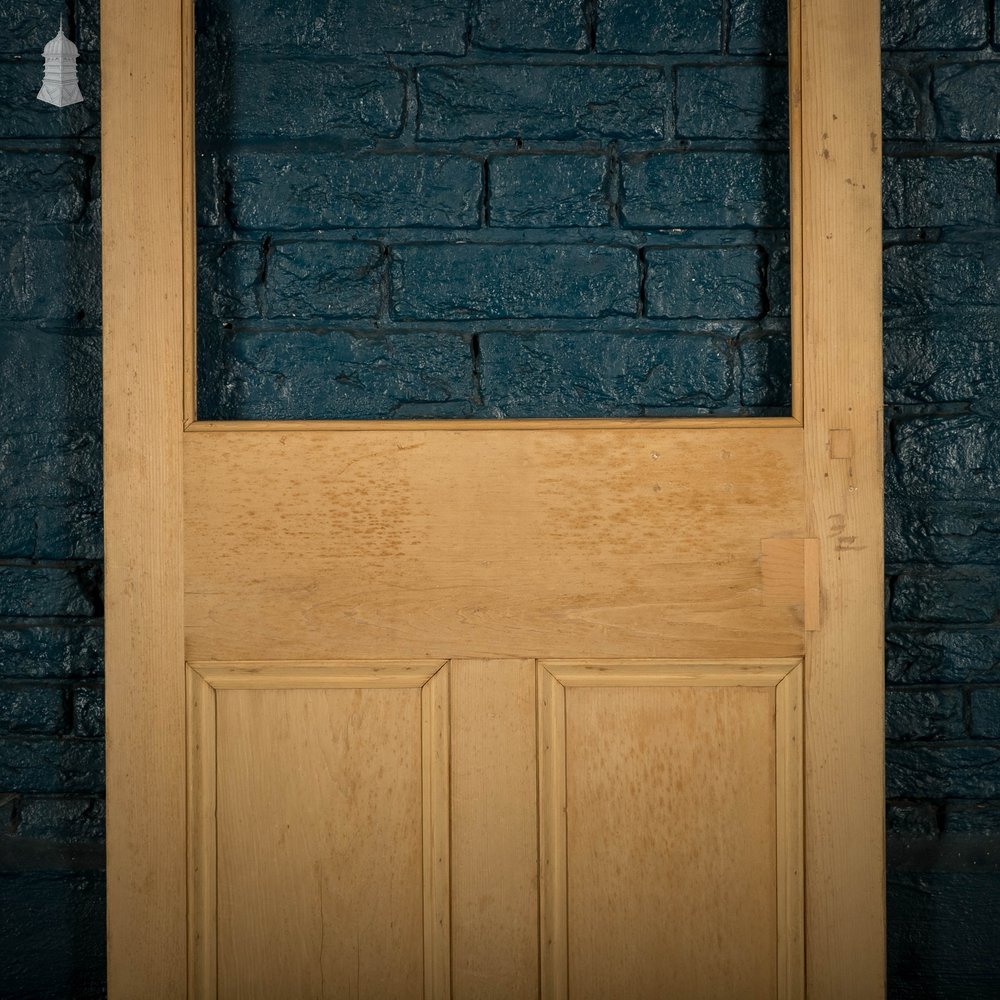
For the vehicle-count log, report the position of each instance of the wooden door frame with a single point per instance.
(149, 399)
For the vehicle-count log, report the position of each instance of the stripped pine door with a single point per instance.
(494, 710)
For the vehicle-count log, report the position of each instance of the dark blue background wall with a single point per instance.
(503, 209)
(51, 746)
(510, 167)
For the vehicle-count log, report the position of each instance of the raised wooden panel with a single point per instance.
(671, 830)
(510, 544)
(319, 830)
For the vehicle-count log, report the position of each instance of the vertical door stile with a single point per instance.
(145, 153)
(841, 302)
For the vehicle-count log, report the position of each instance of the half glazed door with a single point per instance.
(581, 709)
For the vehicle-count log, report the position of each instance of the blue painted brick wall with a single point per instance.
(471, 203)
(51, 698)
(942, 330)
(358, 164)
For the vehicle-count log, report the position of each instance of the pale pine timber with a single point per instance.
(146, 284)
(373, 775)
(641, 818)
(561, 543)
(494, 875)
(841, 301)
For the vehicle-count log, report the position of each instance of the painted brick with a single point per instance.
(758, 27)
(347, 27)
(934, 359)
(704, 282)
(724, 190)
(48, 592)
(928, 655)
(779, 282)
(25, 117)
(968, 594)
(61, 371)
(943, 929)
(765, 365)
(452, 282)
(732, 102)
(69, 819)
(984, 713)
(51, 488)
(343, 376)
(51, 764)
(75, 651)
(908, 820)
(928, 277)
(292, 192)
(967, 100)
(27, 25)
(955, 458)
(538, 25)
(942, 532)
(27, 292)
(934, 24)
(937, 772)
(550, 190)
(88, 710)
(33, 708)
(57, 919)
(606, 374)
(981, 819)
(658, 26)
(297, 280)
(41, 187)
(88, 24)
(209, 193)
(924, 715)
(295, 99)
(902, 106)
(939, 191)
(542, 102)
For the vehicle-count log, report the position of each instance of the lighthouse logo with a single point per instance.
(59, 85)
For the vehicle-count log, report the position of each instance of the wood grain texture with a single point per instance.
(317, 674)
(562, 543)
(201, 845)
(553, 903)
(319, 833)
(670, 843)
(783, 570)
(144, 284)
(531, 425)
(435, 721)
(812, 570)
(841, 443)
(349, 894)
(790, 788)
(668, 673)
(494, 810)
(671, 833)
(842, 298)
